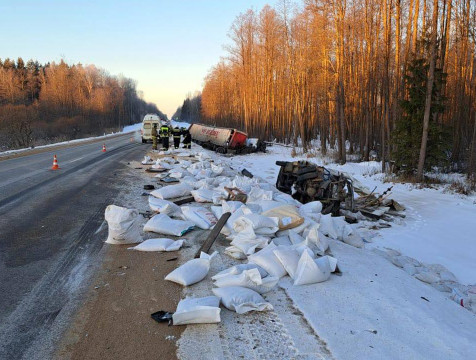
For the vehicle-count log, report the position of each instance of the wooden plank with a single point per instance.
(184, 200)
(213, 234)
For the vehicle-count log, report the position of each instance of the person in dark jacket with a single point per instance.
(164, 137)
(176, 133)
(187, 140)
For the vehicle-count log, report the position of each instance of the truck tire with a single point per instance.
(144, 141)
(220, 150)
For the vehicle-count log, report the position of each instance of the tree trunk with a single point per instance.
(429, 90)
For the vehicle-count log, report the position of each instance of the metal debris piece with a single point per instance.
(308, 182)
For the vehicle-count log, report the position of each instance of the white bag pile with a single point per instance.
(276, 234)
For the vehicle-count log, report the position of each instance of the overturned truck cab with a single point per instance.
(308, 182)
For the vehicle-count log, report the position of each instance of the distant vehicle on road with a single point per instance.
(147, 125)
(224, 140)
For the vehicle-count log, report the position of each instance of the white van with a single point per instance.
(147, 125)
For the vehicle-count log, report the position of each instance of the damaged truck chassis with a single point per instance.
(308, 182)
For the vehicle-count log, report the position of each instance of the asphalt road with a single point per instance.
(51, 226)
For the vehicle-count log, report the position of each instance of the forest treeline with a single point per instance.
(394, 76)
(191, 109)
(42, 103)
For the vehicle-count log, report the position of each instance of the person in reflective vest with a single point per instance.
(164, 136)
(154, 137)
(176, 133)
(187, 139)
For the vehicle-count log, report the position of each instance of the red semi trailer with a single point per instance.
(223, 140)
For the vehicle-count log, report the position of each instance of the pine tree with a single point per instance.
(407, 134)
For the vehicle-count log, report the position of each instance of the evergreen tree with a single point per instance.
(407, 133)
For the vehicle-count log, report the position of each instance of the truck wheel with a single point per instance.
(221, 150)
(143, 141)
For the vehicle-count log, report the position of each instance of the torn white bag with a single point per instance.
(192, 271)
(160, 244)
(204, 310)
(241, 300)
(163, 224)
(123, 225)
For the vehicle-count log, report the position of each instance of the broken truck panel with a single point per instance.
(308, 182)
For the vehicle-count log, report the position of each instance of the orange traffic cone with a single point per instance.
(103, 147)
(55, 164)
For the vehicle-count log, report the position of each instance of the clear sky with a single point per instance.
(168, 46)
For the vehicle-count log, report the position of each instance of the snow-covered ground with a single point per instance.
(126, 129)
(377, 310)
(439, 227)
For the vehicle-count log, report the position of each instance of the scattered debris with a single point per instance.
(307, 182)
(149, 187)
(162, 316)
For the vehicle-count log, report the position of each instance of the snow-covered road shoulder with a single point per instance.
(376, 311)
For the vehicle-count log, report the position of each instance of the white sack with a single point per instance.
(248, 245)
(299, 229)
(260, 224)
(332, 262)
(204, 310)
(289, 258)
(123, 225)
(268, 261)
(266, 205)
(235, 253)
(203, 195)
(288, 216)
(238, 269)
(217, 211)
(164, 206)
(163, 224)
(310, 271)
(147, 160)
(282, 240)
(311, 207)
(217, 170)
(295, 238)
(250, 279)
(192, 271)
(241, 300)
(200, 216)
(231, 206)
(257, 194)
(172, 191)
(318, 244)
(161, 244)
